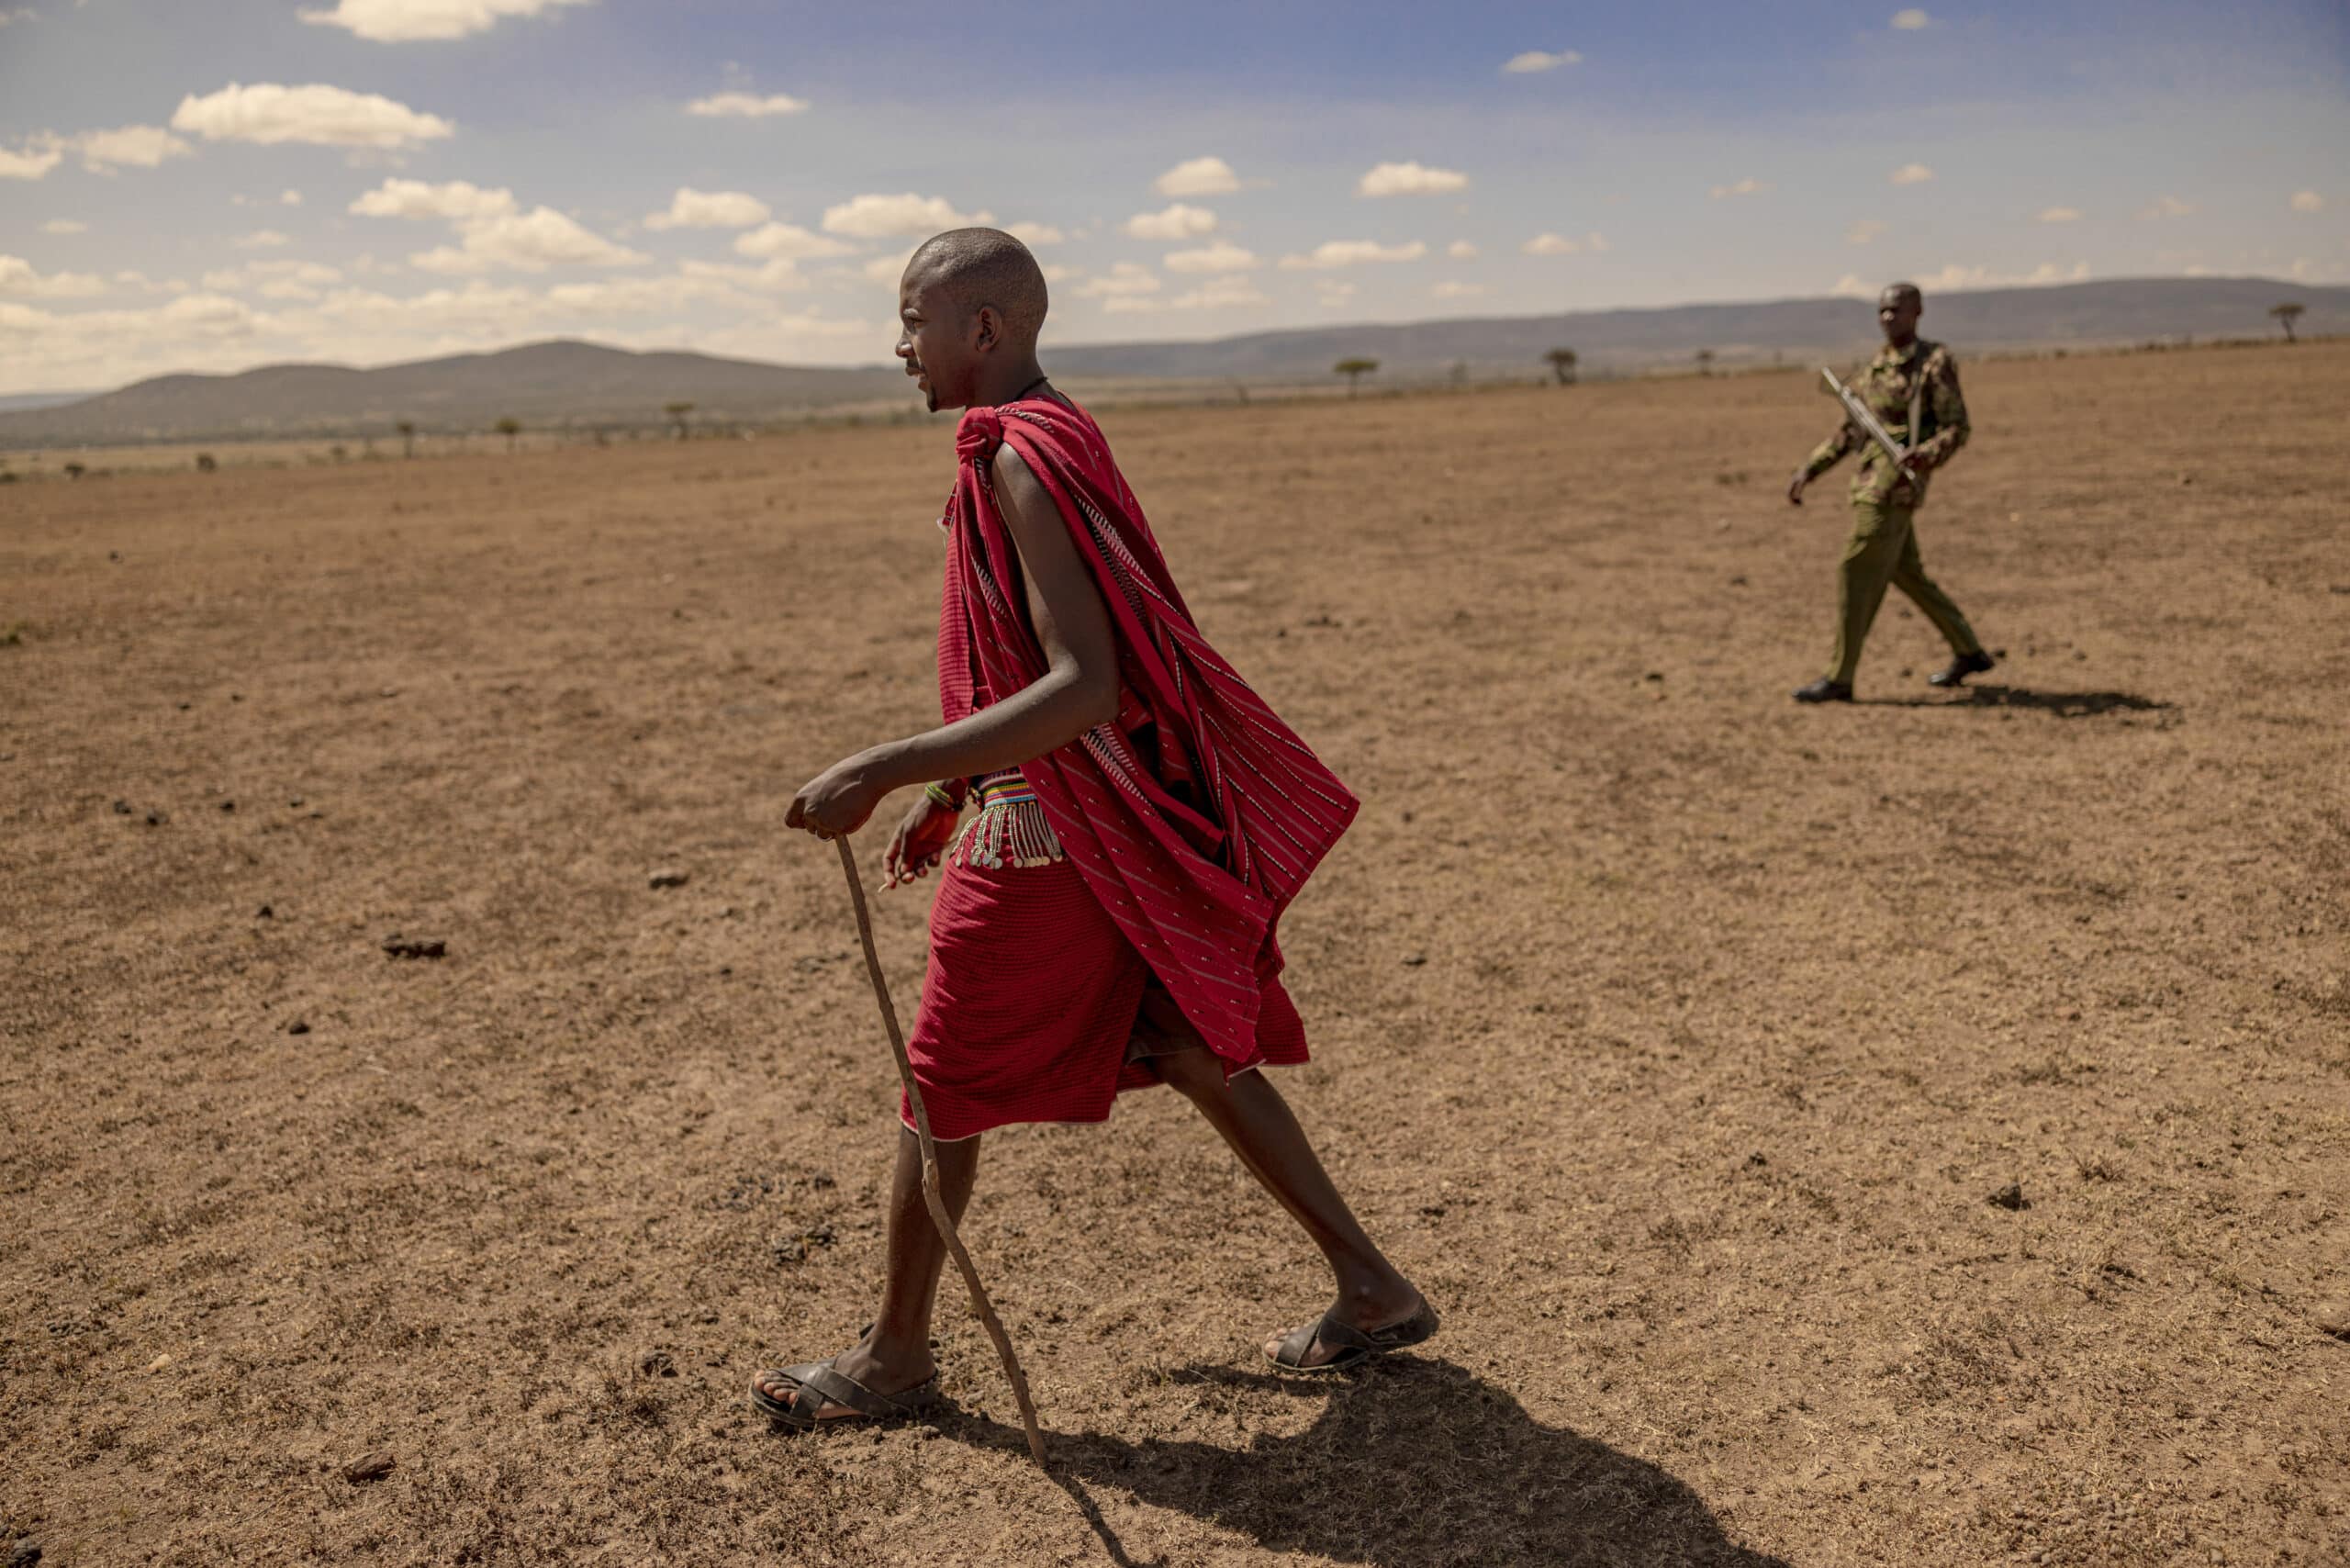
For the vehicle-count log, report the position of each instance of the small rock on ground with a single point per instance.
(665, 879)
(374, 1467)
(2010, 1198)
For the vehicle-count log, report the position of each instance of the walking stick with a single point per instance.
(930, 1179)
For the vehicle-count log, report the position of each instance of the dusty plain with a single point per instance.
(1675, 1036)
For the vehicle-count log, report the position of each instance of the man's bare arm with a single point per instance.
(1080, 687)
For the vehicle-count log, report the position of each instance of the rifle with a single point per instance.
(1862, 421)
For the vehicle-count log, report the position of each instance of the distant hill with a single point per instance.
(13, 401)
(538, 384)
(2072, 315)
(584, 384)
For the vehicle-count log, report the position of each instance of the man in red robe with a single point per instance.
(1106, 921)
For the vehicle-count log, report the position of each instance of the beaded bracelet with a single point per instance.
(939, 794)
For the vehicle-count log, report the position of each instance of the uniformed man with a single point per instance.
(1912, 388)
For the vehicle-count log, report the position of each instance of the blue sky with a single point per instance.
(216, 184)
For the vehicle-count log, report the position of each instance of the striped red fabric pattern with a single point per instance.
(1195, 851)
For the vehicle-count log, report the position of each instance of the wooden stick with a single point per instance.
(930, 1178)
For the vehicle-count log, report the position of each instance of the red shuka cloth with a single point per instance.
(1196, 840)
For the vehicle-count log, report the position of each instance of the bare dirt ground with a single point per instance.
(1675, 1036)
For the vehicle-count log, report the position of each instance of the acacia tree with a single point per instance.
(1562, 365)
(509, 427)
(2287, 314)
(1354, 370)
(678, 412)
(407, 437)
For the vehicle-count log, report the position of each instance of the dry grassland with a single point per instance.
(1673, 1036)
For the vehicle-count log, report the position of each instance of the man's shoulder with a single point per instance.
(1935, 356)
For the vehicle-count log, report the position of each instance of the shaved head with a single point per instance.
(1898, 310)
(984, 268)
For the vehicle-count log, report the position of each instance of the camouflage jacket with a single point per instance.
(1923, 374)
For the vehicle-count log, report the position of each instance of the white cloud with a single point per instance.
(1226, 292)
(35, 159)
(1912, 21)
(492, 232)
(274, 280)
(1552, 245)
(1352, 252)
(1745, 187)
(408, 21)
(889, 270)
(1127, 280)
(746, 106)
(86, 337)
(1453, 288)
(779, 276)
(321, 116)
(19, 280)
(1177, 222)
(1331, 293)
(1223, 256)
(1596, 243)
(1197, 177)
(690, 208)
(260, 239)
(1034, 234)
(21, 14)
(1958, 276)
(2308, 201)
(1911, 174)
(289, 198)
(1535, 60)
(1409, 179)
(906, 216)
(64, 225)
(787, 242)
(2060, 215)
(130, 146)
(1461, 251)
(2166, 206)
(130, 278)
(1849, 286)
(457, 201)
(530, 243)
(1863, 232)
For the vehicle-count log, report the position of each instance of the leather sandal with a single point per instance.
(819, 1381)
(1355, 1346)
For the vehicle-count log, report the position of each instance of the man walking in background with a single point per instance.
(1912, 388)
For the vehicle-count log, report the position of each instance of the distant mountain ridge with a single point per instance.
(573, 383)
(2078, 315)
(561, 381)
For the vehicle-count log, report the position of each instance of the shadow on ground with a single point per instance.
(1411, 1463)
(2063, 704)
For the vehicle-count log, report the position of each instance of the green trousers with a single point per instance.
(1884, 550)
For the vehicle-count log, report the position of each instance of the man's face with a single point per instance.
(934, 340)
(1897, 310)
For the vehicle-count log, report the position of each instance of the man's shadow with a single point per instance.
(1410, 1463)
(2063, 704)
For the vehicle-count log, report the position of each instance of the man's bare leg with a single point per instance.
(895, 1356)
(1251, 1116)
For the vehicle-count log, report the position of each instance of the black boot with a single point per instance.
(1824, 690)
(1960, 669)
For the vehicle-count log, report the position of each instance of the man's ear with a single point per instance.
(987, 328)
